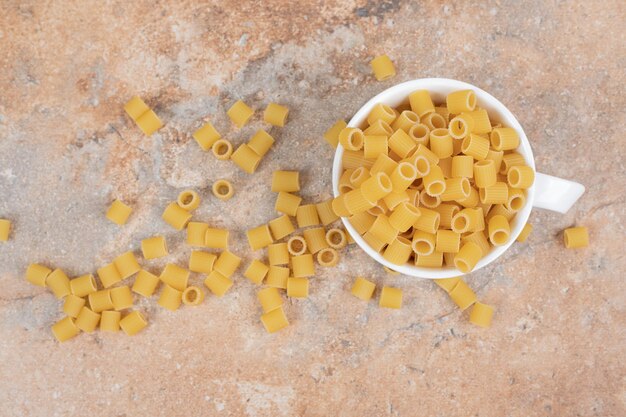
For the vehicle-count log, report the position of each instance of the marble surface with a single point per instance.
(558, 342)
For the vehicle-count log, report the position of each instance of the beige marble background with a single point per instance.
(558, 342)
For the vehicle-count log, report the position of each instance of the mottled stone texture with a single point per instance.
(558, 342)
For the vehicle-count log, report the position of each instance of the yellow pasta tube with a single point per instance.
(496, 157)
(434, 121)
(362, 222)
(339, 206)
(383, 230)
(378, 186)
(380, 112)
(154, 247)
(206, 136)
(121, 297)
(222, 149)
(5, 230)
(133, 323)
(65, 329)
(510, 160)
(499, 209)
(401, 143)
(516, 200)
(269, 298)
(223, 190)
(363, 289)
(497, 193)
(175, 276)
(379, 127)
(345, 185)
(87, 320)
(485, 174)
(383, 164)
(135, 107)
(100, 301)
(441, 143)
(575, 237)
(520, 176)
(526, 231)
(315, 239)
(118, 212)
(274, 320)
(110, 321)
(404, 216)
(72, 305)
(423, 243)
(196, 232)
(479, 239)
(504, 139)
(126, 264)
(275, 114)
(461, 126)
(170, 298)
(193, 296)
(402, 176)
(149, 122)
(420, 133)
(482, 124)
(59, 283)
(261, 142)
(227, 263)
(36, 274)
(189, 200)
(239, 113)
(399, 251)
(324, 211)
(448, 241)
(467, 257)
(461, 101)
(444, 112)
(287, 203)
(481, 314)
(422, 150)
(446, 213)
(145, 283)
(374, 242)
(358, 176)
(356, 202)
(392, 200)
(306, 215)
(297, 287)
(464, 221)
(405, 121)
(245, 158)
(352, 138)
(260, 237)
(421, 103)
(328, 257)
(462, 295)
(176, 216)
(303, 266)
(382, 67)
(332, 135)
(216, 238)
(287, 181)
(83, 285)
(458, 188)
(374, 146)
(471, 200)
(414, 196)
(355, 159)
(434, 182)
(475, 146)
(390, 298)
(428, 221)
(277, 277)
(446, 166)
(447, 283)
(218, 283)
(256, 271)
(282, 226)
(278, 254)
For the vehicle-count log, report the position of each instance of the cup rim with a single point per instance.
(398, 94)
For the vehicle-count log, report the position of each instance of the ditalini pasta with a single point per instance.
(72, 305)
(65, 329)
(145, 283)
(5, 230)
(133, 323)
(175, 277)
(481, 314)
(269, 298)
(306, 215)
(260, 237)
(121, 297)
(499, 230)
(227, 263)
(328, 257)
(216, 238)
(296, 245)
(303, 266)
(325, 212)
(363, 289)
(193, 296)
(274, 320)
(382, 67)
(87, 320)
(275, 114)
(222, 149)
(256, 271)
(218, 283)
(576, 237)
(206, 136)
(287, 203)
(390, 298)
(149, 122)
(240, 113)
(154, 247)
(110, 321)
(277, 277)
(261, 142)
(332, 135)
(223, 190)
(201, 261)
(59, 283)
(83, 285)
(118, 212)
(170, 298)
(126, 264)
(189, 200)
(36, 274)
(246, 158)
(100, 301)
(176, 216)
(447, 283)
(462, 295)
(196, 232)
(526, 231)
(336, 238)
(278, 254)
(297, 287)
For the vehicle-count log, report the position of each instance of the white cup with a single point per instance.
(547, 192)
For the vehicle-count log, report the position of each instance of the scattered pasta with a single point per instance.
(297, 245)
(36, 274)
(222, 149)
(270, 299)
(297, 287)
(83, 285)
(175, 277)
(5, 230)
(332, 135)
(216, 238)
(261, 142)
(240, 113)
(481, 314)
(154, 247)
(287, 181)
(206, 136)
(259, 237)
(133, 323)
(246, 158)
(110, 321)
(201, 261)
(188, 200)
(281, 227)
(118, 212)
(274, 320)
(576, 237)
(218, 283)
(223, 189)
(363, 289)
(176, 216)
(121, 297)
(275, 114)
(170, 298)
(383, 68)
(227, 263)
(65, 329)
(390, 298)
(193, 296)
(327, 257)
(256, 272)
(59, 283)
(145, 283)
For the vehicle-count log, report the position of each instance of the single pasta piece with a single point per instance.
(297, 245)
(223, 189)
(429, 201)
(428, 221)
(278, 254)
(206, 136)
(462, 166)
(482, 124)
(227, 263)
(332, 135)
(282, 226)
(216, 238)
(475, 146)
(390, 298)
(447, 283)
(383, 67)
(110, 321)
(434, 260)
(175, 276)
(441, 142)
(218, 283)
(420, 133)
(245, 158)
(297, 287)
(461, 126)
(462, 295)
(576, 237)
(422, 150)
(121, 297)
(193, 296)
(306, 215)
(118, 212)
(378, 186)
(59, 283)
(526, 231)
(401, 143)
(269, 298)
(196, 232)
(189, 200)
(275, 114)
(36, 274)
(170, 298)
(352, 138)
(260, 237)
(444, 112)
(383, 230)
(176, 216)
(520, 176)
(149, 123)
(240, 113)
(374, 242)
(339, 206)
(261, 142)
(479, 239)
(135, 107)
(496, 157)
(456, 189)
(65, 329)
(145, 283)
(362, 222)
(448, 241)
(485, 174)
(434, 121)
(72, 305)
(274, 320)
(356, 202)
(421, 103)
(345, 185)
(414, 196)
(481, 314)
(404, 216)
(423, 243)
(126, 264)
(315, 239)
(358, 176)
(468, 256)
(461, 101)
(5, 230)
(510, 160)
(499, 209)
(434, 182)
(382, 112)
(100, 301)
(336, 238)
(504, 139)
(277, 277)
(446, 166)
(133, 323)
(363, 289)
(256, 272)
(287, 203)
(325, 213)
(516, 200)
(477, 219)
(379, 127)
(355, 159)
(497, 193)
(154, 247)
(446, 213)
(83, 285)
(328, 257)
(399, 251)
(303, 266)
(393, 200)
(87, 320)
(383, 164)
(403, 176)
(405, 121)
(464, 221)
(222, 149)
(287, 181)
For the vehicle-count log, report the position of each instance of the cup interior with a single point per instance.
(439, 88)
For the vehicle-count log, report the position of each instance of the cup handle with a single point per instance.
(556, 194)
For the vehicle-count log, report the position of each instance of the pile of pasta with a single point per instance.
(432, 184)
